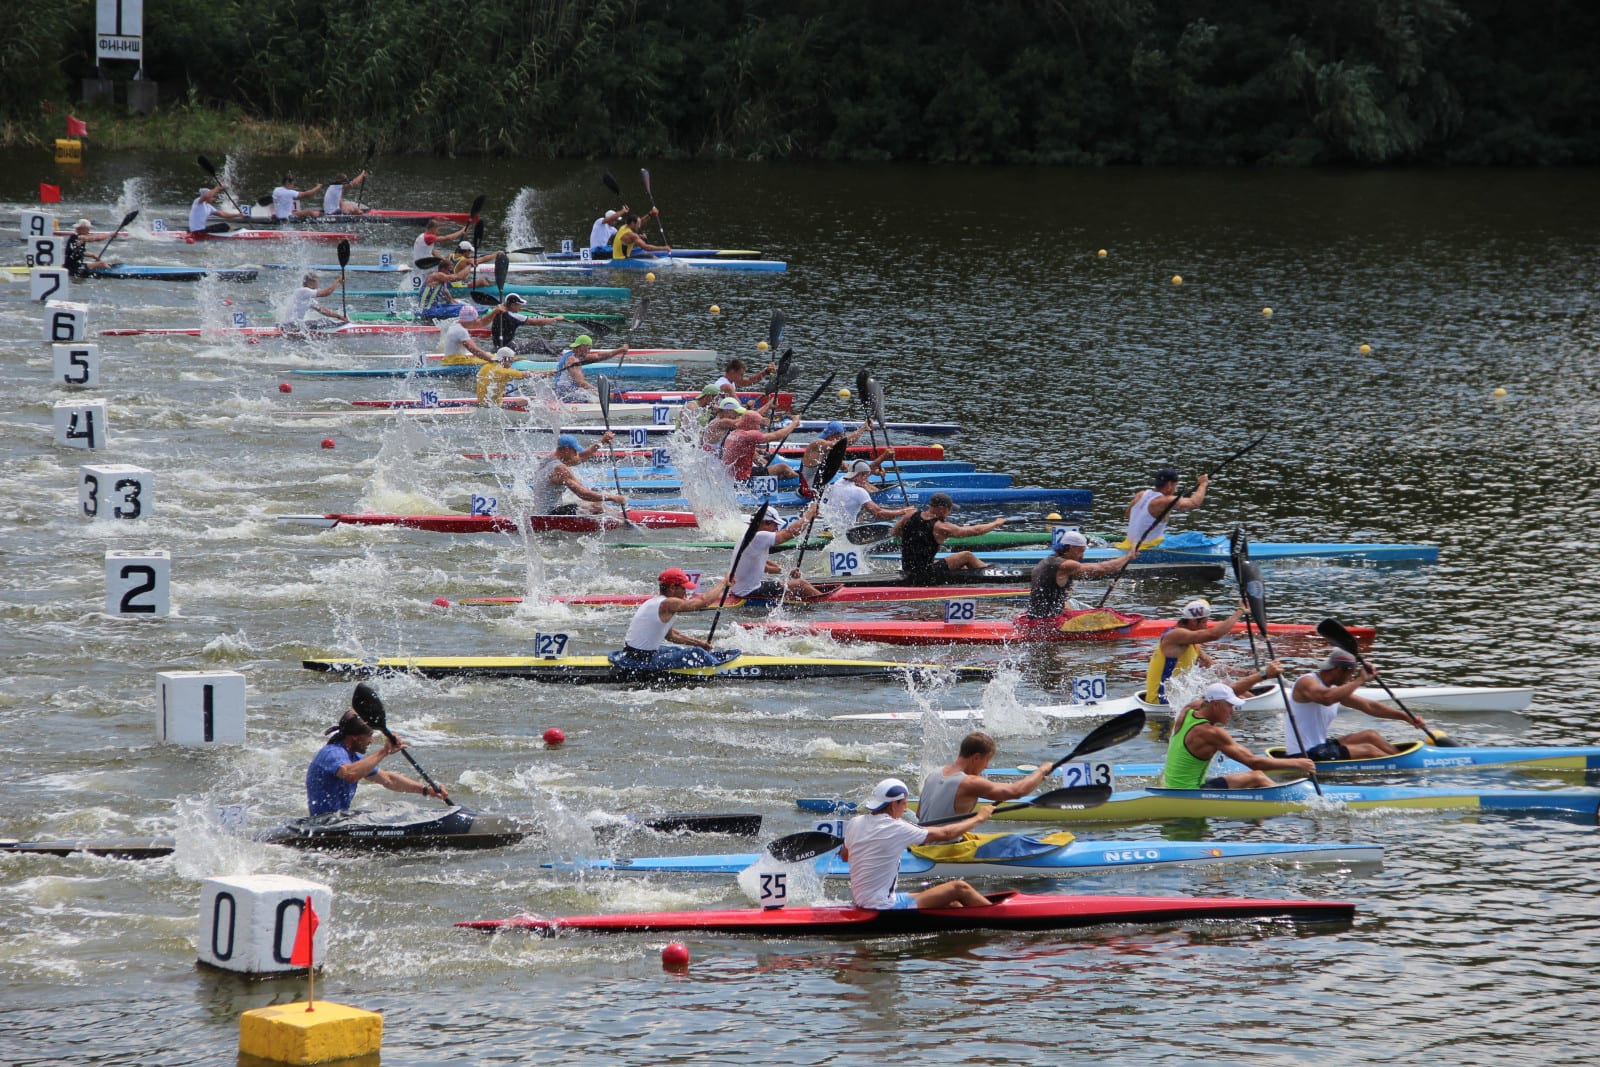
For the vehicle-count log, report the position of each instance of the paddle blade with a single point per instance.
(1238, 554)
(477, 236)
(264, 200)
(611, 183)
(1096, 621)
(1124, 727)
(805, 845)
(862, 378)
(786, 371)
(644, 176)
(127, 219)
(602, 385)
(638, 314)
(484, 299)
(477, 206)
(428, 262)
(502, 267)
(367, 704)
(1255, 593)
(875, 399)
(1335, 634)
(869, 533)
(775, 330)
(1074, 798)
(344, 254)
(205, 165)
(831, 465)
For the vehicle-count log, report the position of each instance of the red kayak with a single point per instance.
(907, 452)
(520, 403)
(396, 213)
(1097, 625)
(841, 594)
(1010, 911)
(497, 523)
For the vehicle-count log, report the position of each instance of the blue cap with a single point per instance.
(833, 428)
(567, 440)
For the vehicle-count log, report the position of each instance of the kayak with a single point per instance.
(621, 399)
(591, 670)
(891, 496)
(263, 214)
(1191, 546)
(817, 426)
(418, 408)
(1013, 855)
(1150, 805)
(153, 272)
(496, 523)
(1023, 629)
(258, 235)
(571, 292)
(654, 263)
(611, 370)
(787, 451)
(404, 828)
(1447, 698)
(915, 481)
(676, 253)
(1010, 911)
(1421, 756)
(354, 329)
(640, 371)
(861, 594)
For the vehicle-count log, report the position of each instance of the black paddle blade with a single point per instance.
(477, 236)
(862, 379)
(1335, 634)
(611, 183)
(869, 533)
(875, 399)
(1074, 798)
(602, 385)
(831, 465)
(483, 299)
(502, 267)
(477, 206)
(638, 314)
(1238, 554)
(1255, 593)
(264, 200)
(1124, 727)
(786, 370)
(344, 254)
(428, 262)
(775, 330)
(807, 844)
(205, 165)
(367, 704)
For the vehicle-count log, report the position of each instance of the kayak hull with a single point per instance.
(498, 523)
(1010, 911)
(1260, 551)
(597, 670)
(1002, 632)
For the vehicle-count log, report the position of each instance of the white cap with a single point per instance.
(505, 354)
(468, 313)
(887, 792)
(83, 224)
(465, 246)
(860, 466)
(204, 189)
(775, 516)
(1197, 609)
(1073, 537)
(1222, 691)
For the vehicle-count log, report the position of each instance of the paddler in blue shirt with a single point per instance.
(340, 765)
(1199, 733)
(627, 240)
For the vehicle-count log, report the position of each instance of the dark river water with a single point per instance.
(977, 297)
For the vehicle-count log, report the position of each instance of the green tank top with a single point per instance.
(1184, 770)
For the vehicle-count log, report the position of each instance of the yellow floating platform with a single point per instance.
(288, 1033)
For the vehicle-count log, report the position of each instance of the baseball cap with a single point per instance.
(860, 466)
(468, 313)
(674, 576)
(465, 246)
(775, 517)
(515, 298)
(1223, 691)
(1338, 658)
(582, 339)
(729, 403)
(505, 354)
(203, 190)
(711, 390)
(1163, 476)
(83, 224)
(568, 440)
(833, 429)
(887, 792)
(1072, 537)
(1197, 609)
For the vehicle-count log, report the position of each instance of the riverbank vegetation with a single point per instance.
(1226, 82)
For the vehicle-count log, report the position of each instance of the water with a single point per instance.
(1473, 942)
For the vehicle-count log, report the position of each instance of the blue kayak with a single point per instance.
(912, 469)
(928, 429)
(1421, 756)
(1190, 547)
(571, 292)
(892, 497)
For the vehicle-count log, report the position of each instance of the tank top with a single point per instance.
(333, 200)
(938, 797)
(1184, 770)
(646, 631)
(1312, 718)
(546, 494)
(918, 546)
(1045, 597)
(618, 249)
(422, 247)
(72, 258)
(752, 569)
(1140, 517)
(1161, 669)
(563, 384)
(503, 330)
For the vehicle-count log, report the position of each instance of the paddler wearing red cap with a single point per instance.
(1315, 700)
(652, 625)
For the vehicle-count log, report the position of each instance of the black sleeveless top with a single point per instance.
(1045, 597)
(918, 547)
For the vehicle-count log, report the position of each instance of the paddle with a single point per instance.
(875, 401)
(1112, 583)
(1239, 555)
(611, 183)
(502, 267)
(211, 172)
(126, 220)
(603, 385)
(344, 261)
(366, 704)
(1255, 597)
(1338, 635)
(476, 209)
(366, 165)
(830, 468)
(644, 176)
(477, 244)
(634, 320)
(750, 532)
(1124, 727)
(535, 249)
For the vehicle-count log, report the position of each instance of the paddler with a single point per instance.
(627, 241)
(1162, 499)
(554, 473)
(204, 207)
(457, 342)
(750, 577)
(843, 501)
(817, 450)
(1315, 700)
(603, 230)
(652, 624)
(956, 788)
(1050, 587)
(1199, 735)
(506, 318)
(724, 419)
(303, 301)
(741, 445)
(286, 200)
(340, 765)
(437, 297)
(1179, 648)
(423, 255)
(333, 201)
(923, 531)
(735, 379)
(874, 841)
(696, 413)
(76, 257)
(570, 384)
(493, 378)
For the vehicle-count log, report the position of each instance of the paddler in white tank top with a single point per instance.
(1161, 500)
(333, 201)
(652, 623)
(422, 248)
(1315, 700)
(956, 788)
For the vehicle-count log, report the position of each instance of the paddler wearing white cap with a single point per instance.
(76, 256)
(1179, 649)
(749, 578)
(204, 206)
(843, 501)
(554, 474)
(1315, 700)
(1051, 582)
(1198, 734)
(507, 317)
(437, 298)
(457, 342)
(493, 378)
(874, 840)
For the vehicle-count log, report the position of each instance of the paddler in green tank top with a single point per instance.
(1199, 734)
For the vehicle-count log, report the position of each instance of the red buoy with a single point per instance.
(285, 387)
(441, 602)
(327, 442)
(554, 737)
(675, 957)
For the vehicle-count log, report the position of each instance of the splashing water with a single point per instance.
(132, 199)
(519, 219)
(708, 486)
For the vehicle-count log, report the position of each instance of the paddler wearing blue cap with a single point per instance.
(811, 458)
(554, 474)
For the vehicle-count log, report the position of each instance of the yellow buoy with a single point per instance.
(1499, 390)
(288, 1033)
(1365, 349)
(1101, 253)
(1053, 516)
(762, 346)
(1267, 312)
(1177, 279)
(649, 275)
(715, 310)
(844, 394)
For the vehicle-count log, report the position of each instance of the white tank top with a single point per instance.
(646, 632)
(1312, 719)
(1139, 517)
(421, 248)
(333, 199)
(752, 570)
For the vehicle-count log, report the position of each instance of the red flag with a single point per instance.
(49, 194)
(77, 127)
(304, 932)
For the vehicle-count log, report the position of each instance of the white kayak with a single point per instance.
(1420, 698)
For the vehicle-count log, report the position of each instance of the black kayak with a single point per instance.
(402, 829)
